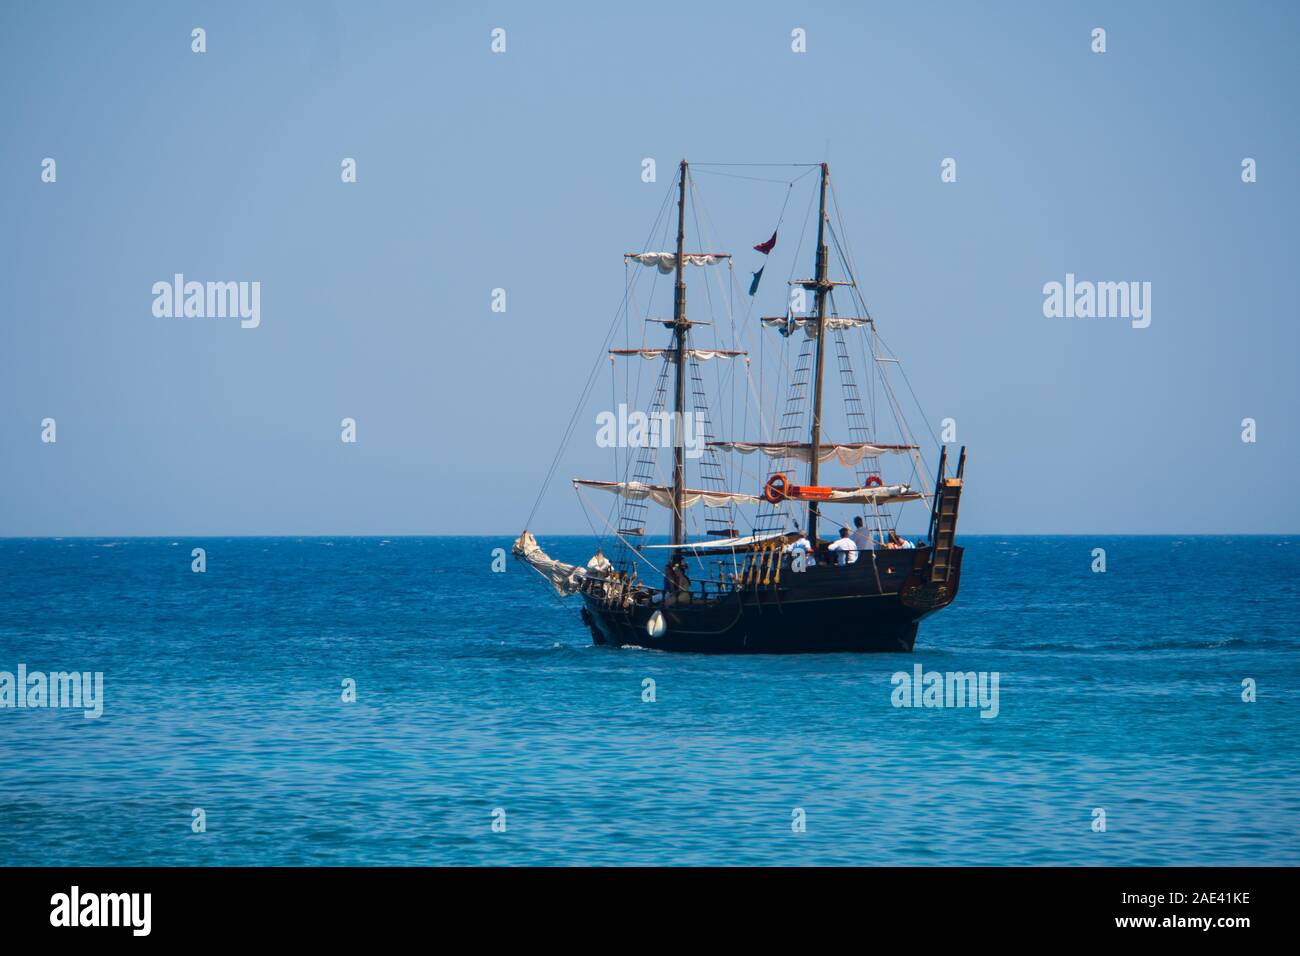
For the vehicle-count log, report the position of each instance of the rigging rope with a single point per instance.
(591, 377)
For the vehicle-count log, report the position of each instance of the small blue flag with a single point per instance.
(753, 286)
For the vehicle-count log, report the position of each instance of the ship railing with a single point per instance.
(761, 568)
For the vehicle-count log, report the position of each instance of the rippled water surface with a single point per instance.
(478, 690)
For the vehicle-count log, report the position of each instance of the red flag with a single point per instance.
(766, 247)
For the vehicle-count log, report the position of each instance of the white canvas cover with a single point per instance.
(877, 494)
(719, 544)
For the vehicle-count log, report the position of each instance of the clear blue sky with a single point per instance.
(522, 171)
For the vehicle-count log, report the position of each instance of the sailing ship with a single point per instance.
(757, 574)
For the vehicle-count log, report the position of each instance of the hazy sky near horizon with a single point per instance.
(522, 171)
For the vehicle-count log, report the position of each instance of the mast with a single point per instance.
(814, 466)
(679, 343)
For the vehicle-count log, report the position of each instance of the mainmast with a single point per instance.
(680, 326)
(823, 286)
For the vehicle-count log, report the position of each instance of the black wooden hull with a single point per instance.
(826, 609)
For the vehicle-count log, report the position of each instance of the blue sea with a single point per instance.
(479, 698)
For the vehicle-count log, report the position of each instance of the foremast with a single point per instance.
(822, 285)
(680, 325)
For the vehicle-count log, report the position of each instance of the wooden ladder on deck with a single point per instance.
(943, 518)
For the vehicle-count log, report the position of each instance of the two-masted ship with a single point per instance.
(755, 562)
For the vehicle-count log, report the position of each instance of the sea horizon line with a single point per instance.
(571, 534)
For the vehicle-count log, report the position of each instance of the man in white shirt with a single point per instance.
(599, 562)
(861, 536)
(848, 551)
(801, 545)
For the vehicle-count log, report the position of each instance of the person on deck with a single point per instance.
(677, 584)
(801, 545)
(861, 536)
(846, 548)
(896, 543)
(599, 562)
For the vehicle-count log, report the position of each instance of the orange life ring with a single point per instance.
(774, 492)
(873, 481)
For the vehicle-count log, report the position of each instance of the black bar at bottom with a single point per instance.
(334, 904)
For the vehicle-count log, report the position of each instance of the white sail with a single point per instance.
(789, 323)
(666, 262)
(846, 453)
(704, 355)
(663, 494)
(565, 578)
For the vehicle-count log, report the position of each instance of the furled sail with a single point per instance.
(663, 494)
(667, 261)
(670, 355)
(846, 453)
(788, 324)
(565, 578)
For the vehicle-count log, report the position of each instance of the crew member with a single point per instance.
(861, 536)
(845, 546)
